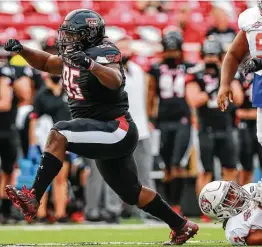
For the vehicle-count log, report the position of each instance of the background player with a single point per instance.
(215, 127)
(246, 124)
(238, 207)
(247, 41)
(167, 83)
(8, 138)
(101, 128)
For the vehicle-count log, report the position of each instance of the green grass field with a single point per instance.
(90, 235)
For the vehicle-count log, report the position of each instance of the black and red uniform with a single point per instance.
(8, 140)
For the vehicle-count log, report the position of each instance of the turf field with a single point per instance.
(104, 235)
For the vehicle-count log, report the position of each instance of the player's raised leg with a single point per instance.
(51, 163)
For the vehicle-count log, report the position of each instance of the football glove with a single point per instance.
(13, 45)
(252, 65)
(81, 59)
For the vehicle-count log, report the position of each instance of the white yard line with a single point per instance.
(106, 243)
(60, 227)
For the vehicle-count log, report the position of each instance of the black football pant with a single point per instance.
(217, 143)
(8, 153)
(249, 146)
(112, 145)
(175, 143)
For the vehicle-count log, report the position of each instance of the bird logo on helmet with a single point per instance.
(81, 29)
(205, 205)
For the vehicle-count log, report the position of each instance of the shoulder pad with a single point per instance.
(105, 53)
(196, 69)
(249, 18)
(8, 72)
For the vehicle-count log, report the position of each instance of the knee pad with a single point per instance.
(131, 196)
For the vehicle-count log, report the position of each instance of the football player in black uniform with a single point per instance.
(8, 144)
(167, 83)
(30, 81)
(215, 134)
(51, 100)
(101, 129)
(249, 146)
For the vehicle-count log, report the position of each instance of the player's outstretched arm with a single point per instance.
(109, 75)
(233, 58)
(38, 59)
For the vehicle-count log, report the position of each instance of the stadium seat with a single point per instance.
(39, 32)
(66, 6)
(10, 7)
(115, 33)
(149, 33)
(32, 44)
(145, 48)
(159, 20)
(45, 7)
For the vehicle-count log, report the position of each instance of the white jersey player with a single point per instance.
(248, 41)
(239, 208)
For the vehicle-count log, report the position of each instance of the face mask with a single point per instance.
(125, 59)
(212, 68)
(55, 79)
(171, 62)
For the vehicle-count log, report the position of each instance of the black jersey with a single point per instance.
(87, 96)
(8, 118)
(209, 114)
(170, 84)
(33, 74)
(47, 103)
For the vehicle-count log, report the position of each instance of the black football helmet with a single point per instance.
(212, 46)
(81, 29)
(172, 40)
